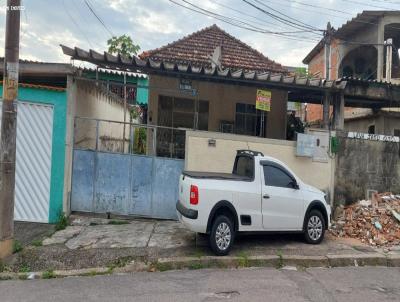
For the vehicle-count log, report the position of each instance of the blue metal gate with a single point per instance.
(108, 177)
(125, 184)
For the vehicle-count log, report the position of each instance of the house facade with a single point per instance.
(212, 106)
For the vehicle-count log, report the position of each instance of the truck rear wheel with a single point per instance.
(222, 235)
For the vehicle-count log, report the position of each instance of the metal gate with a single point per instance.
(108, 176)
(33, 162)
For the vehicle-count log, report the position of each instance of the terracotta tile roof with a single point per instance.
(197, 48)
(36, 86)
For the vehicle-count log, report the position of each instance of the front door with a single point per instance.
(282, 203)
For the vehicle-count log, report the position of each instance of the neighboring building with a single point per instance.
(50, 97)
(212, 106)
(356, 50)
(385, 121)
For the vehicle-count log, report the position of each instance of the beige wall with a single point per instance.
(222, 102)
(201, 157)
(92, 102)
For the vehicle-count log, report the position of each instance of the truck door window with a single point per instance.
(244, 166)
(276, 177)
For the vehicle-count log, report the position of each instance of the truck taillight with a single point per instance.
(194, 194)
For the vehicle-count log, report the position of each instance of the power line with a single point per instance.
(317, 9)
(245, 23)
(85, 21)
(98, 17)
(300, 23)
(280, 19)
(246, 14)
(240, 24)
(339, 11)
(76, 24)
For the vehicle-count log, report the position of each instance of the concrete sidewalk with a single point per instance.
(91, 242)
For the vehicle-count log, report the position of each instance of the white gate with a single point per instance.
(33, 162)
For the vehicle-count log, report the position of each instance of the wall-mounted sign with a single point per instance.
(374, 137)
(186, 86)
(263, 100)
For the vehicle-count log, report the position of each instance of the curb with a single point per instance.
(178, 263)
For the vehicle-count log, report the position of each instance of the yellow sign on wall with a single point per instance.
(263, 100)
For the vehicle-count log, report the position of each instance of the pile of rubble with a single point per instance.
(375, 222)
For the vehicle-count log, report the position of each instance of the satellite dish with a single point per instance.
(215, 58)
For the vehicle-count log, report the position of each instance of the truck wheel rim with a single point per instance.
(223, 236)
(314, 227)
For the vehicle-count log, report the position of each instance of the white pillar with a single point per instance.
(380, 47)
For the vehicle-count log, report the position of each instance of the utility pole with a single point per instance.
(9, 127)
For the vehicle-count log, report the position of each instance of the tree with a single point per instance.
(122, 45)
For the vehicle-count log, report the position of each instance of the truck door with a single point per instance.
(282, 201)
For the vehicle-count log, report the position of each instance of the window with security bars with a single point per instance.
(248, 120)
(178, 113)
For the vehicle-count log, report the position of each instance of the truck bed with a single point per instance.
(215, 175)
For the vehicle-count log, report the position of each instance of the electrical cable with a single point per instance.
(88, 4)
(231, 21)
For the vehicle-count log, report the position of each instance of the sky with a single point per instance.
(45, 24)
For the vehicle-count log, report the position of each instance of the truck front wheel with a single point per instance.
(222, 235)
(315, 227)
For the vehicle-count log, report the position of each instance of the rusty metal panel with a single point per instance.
(33, 162)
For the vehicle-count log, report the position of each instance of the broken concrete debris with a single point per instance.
(375, 222)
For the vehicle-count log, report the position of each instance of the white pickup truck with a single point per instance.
(261, 195)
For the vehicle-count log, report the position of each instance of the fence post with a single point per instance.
(97, 135)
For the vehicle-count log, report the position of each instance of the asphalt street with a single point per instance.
(318, 284)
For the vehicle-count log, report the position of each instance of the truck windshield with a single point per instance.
(244, 166)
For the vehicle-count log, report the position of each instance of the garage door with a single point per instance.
(33, 162)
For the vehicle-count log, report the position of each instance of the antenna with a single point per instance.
(215, 58)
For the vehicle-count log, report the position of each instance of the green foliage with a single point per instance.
(3, 267)
(122, 45)
(62, 222)
(24, 268)
(23, 276)
(280, 261)
(301, 71)
(120, 262)
(244, 259)
(139, 146)
(196, 265)
(37, 242)
(162, 266)
(17, 246)
(49, 274)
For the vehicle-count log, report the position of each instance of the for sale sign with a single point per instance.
(263, 100)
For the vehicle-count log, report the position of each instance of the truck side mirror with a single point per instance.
(294, 185)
